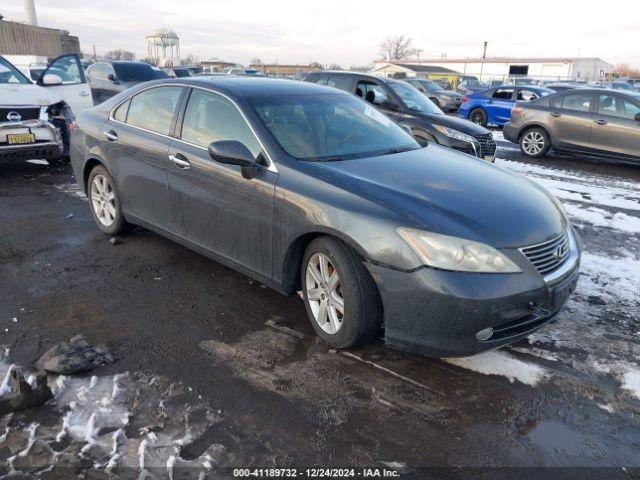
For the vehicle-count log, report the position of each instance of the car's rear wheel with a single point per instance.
(105, 203)
(535, 143)
(340, 296)
(479, 116)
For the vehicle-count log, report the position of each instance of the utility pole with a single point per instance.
(484, 56)
(95, 57)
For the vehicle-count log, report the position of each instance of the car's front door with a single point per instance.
(377, 94)
(616, 125)
(66, 76)
(212, 204)
(569, 120)
(136, 139)
(500, 104)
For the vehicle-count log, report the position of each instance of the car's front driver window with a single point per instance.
(210, 117)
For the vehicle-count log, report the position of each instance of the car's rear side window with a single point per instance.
(503, 93)
(343, 83)
(120, 113)
(579, 102)
(153, 109)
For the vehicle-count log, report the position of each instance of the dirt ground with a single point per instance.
(214, 370)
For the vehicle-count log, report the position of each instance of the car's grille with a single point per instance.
(24, 113)
(487, 145)
(548, 256)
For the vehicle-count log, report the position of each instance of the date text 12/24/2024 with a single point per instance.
(315, 473)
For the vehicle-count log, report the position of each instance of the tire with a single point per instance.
(104, 203)
(355, 290)
(435, 101)
(479, 116)
(59, 162)
(535, 142)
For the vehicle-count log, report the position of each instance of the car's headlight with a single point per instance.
(450, 132)
(457, 254)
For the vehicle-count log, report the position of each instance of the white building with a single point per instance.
(577, 69)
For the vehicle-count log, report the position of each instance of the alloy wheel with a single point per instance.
(103, 200)
(533, 143)
(477, 117)
(324, 293)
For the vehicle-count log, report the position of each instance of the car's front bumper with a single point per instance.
(439, 313)
(49, 144)
(510, 132)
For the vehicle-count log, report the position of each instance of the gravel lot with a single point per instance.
(215, 370)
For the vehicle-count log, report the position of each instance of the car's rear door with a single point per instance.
(136, 139)
(569, 120)
(500, 104)
(211, 204)
(616, 125)
(73, 86)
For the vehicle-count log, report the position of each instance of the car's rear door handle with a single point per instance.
(110, 135)
(600, 122)
(84, 94)
(180, 161)
(555, 114)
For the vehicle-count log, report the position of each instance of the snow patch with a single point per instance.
(503, 364)
(602, 218)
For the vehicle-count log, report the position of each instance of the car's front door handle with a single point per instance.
(180, 161)
(110, 135)
(84, 94)
(555, 114)
(600, 122)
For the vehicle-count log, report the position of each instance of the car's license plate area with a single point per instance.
(21, 138)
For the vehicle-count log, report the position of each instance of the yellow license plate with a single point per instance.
(21, 138)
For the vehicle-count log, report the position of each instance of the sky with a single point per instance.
(348, 32)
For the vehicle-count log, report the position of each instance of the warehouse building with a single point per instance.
(22, 39)
(576, 69)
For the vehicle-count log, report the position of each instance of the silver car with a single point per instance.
(594, 121)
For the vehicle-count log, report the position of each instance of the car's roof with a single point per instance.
(251, 86)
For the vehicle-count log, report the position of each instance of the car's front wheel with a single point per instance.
(340, 296)
(105, 203)
(535, 143)
(479, 116)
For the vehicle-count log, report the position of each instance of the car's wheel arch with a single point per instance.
(89, 165)
(293, 257)
(531, 126)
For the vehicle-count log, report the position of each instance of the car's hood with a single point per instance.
(22, 95)
(444, 93)
(460, 124)
(440, 190)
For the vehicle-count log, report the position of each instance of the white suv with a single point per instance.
(35, 120)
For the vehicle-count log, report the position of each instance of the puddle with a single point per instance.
(551, 434)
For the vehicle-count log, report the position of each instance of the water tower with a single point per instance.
(163, 47)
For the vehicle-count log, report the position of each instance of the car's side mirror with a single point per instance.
(232, 152)
(51, 79)
(112, 77)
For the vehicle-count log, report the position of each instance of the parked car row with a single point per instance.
(410, 108)
(317, 190)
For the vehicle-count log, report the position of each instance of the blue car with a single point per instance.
(493, 106)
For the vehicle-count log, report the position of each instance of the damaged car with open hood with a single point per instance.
(309, 189)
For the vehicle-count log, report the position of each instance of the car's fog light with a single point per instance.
(484, 334)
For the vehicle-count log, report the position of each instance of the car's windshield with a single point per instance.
(329, 127)
(136, 72)
(10, 74)
(413, 99)
(430, 85)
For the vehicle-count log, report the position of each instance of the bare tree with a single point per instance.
(626, 70)
(120, 54)
(189, 60)
(399, 47)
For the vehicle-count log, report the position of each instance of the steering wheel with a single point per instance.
(350, 136)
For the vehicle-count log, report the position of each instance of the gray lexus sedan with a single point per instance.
(306, 188)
